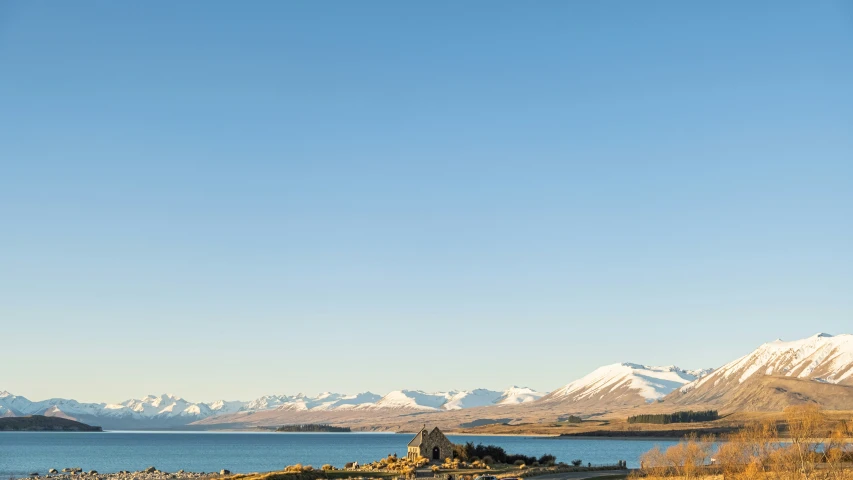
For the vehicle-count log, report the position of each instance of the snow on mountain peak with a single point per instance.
(338, 402)
(413, 399)
(479, 397)
(651, 383)
(454, 399)
(515, 395)
(821, 357)
(222, 407)
(267, 401)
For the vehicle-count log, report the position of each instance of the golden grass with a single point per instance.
(814, 446)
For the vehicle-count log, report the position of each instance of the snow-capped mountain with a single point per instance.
(624, 384)
(17, 405)
(167, 406)
(267, 401)
(484, 398)
(475, 398)
(335, 401)
(167, 411)
(454, 400)
(821, 357)
(412, 400)
(151, 411)
(516, 395)
(816, 369)
(328, 401)
(223, 407)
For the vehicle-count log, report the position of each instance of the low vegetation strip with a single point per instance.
(688, 416)
(312, 428)
(570, 419)
(667, 433)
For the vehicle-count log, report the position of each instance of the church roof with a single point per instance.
(418, 440)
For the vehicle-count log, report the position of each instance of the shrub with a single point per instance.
(460, 452)
(577, 462)
(327, 468)
(518, 463)
(497, 454)
(687, 458)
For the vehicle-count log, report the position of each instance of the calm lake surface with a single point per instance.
(24, 452)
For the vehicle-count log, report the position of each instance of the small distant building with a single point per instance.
(432, 445)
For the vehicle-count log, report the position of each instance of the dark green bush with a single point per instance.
(470, 452)
(688, 416)
(311, 427)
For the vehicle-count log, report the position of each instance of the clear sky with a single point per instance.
(230, 199)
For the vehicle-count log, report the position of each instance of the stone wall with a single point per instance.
(436, 439)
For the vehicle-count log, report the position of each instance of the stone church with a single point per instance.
(432, 445)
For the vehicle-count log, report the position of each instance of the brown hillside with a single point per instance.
(766, 393)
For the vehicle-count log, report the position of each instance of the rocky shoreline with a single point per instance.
(150, 473)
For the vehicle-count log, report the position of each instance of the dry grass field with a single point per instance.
(805, 444)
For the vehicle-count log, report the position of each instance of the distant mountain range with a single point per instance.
(168, 411)
(817, 369)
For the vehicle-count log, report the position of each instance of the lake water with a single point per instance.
(24, 452)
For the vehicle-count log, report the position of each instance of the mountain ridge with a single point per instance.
(168, 410)
(817, 369)
(822, 363)
(623, 384)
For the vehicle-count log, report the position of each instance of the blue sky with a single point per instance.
(223, 200)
